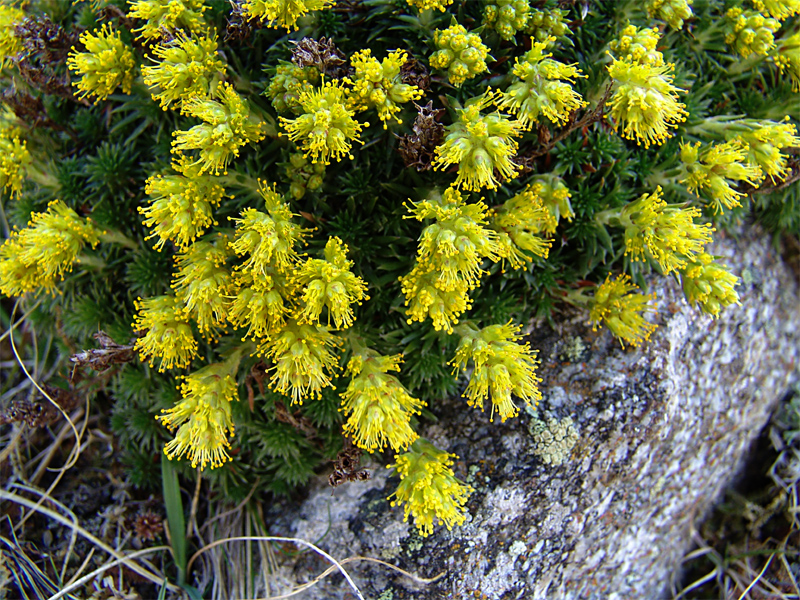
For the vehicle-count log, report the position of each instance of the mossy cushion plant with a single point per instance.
(311, 217)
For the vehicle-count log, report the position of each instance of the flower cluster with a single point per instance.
(709, 285)
(259, 303)
(378, 84)
(638, 46)
(288, 83)
(282, 13)
(228, 125)
(203, 415)
(462, 53)
(554, 195)
(666, 233)
(39, 255)
(545, 23)
(713, 169)
(14, 160)
(304, 175)
(449, 258)
(481, 145)
(618, 305)
(181, 206)
(764, 141)
(501, 367)
(674, 12)
(518, 222)
(787, 57)
(10, 45)
(778, 9)
(432, 4)
(749, 32)
(325, 127)
(106, 65)
(168, 335)
(168, 16)
(506, 17)
(428, 488)
(377, 406)
(189, 68)
(541, 87)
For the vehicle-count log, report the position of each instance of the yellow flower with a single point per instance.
(617, 305)
(544, 23)
(709, 285)
(667, 233)
(778, 9)
(787, 57)
(282, 13)
(518, 221)
(258, 305)
(14, 161)
(228, 125)
(750, 32)
(10, 45)
(433, 4)
(329, 283)
(107, 64)
(302, 357)
(326, 126)
(554, 195)
(168, 16)
(425, 299)
(674, 12)
(378, 84)
(537, 88)
(378, 406)
(501, 367)
(764, 141)
(506, 17)
(203, 283)
(38, 256)
(638, 46)
(203, 416)
(189, 69)
(481, 145)
(181, 206)
(168, 334)
(288, 83)
(714, 167)
(428, 487)
(460, 52)
(268, 238)
(645, 102)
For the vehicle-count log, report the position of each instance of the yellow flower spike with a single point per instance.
(39, 256)
(778, 9)
(519, 220)
(749, 32)
(538, 90)
(202, 284)
(432, 4)
(501, 367)
(228, 125)
(189, 68)
(674, 12)
(303, 359)
(618, 306)
(428, 487)
(181, 206)
(258, 305)
(329, 283)
(481, 145)
(168, 16)
(637, 45)
(282, 13)
(787, 58)
(203, 415)
(106, 65)
(378, 84)
(709, 285)
(506, 17)
(460, 52)
(14, 161)
(425, 299)
(169, 336)
(10, 45)
(377, 406)
(288, 83)
(667, 233)
(554, 195)
(268, 238)
(764, 141)
(326, 126)
(709, 171)
(456, 244)
(645, 102)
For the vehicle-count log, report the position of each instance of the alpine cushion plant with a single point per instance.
(273, 203)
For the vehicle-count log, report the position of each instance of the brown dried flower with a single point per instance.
(413, 72)
(322, 54)
(148, 525)
(417, 149)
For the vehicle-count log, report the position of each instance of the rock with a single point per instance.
(663, 429)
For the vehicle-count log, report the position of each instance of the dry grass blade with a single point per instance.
(26, 573)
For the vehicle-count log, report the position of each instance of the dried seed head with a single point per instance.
(413, 72)
(148, 525)
(417, 149)
(322, 54)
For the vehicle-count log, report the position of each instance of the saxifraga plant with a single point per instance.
(312, 217)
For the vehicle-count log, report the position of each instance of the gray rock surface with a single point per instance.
(663, 429)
